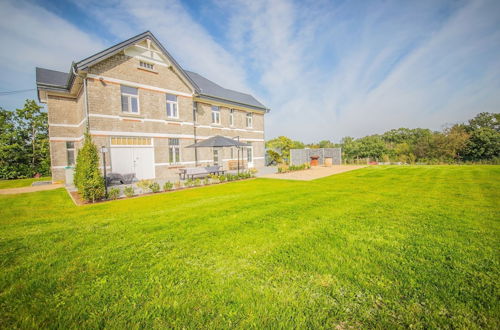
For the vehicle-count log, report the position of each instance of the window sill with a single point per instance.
(147, 70)
(216, 125)
(131, 115)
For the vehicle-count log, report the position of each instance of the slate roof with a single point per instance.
(210, 89)
(51, 79)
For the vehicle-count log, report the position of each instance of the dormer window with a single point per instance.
(147, 66)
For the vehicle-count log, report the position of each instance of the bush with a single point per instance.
(113, 193)
(252, 172)
(145, 185)
(88, 178)
(168, 186)
(222, 178)
(206, 181)
(129, 191)
(197, 182)
(214, 178)
(282, 168)
(154, 187)
(189, 183)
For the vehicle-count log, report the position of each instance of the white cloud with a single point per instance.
(178, 31)
(32, 36)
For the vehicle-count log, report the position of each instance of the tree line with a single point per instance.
(475, 141)
(24, 142)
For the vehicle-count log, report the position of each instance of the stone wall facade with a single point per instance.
(100, 110)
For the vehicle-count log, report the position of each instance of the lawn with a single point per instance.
(376, 247)
(21, 182)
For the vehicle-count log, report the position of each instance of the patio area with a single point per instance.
(313, 173)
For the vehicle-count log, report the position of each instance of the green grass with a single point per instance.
(377, 247)
(4, 184)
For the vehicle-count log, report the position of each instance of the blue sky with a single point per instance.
(327, 69)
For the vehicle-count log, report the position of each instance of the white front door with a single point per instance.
(250, 156)
(138, 160)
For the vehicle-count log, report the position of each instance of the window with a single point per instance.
(146, 65)
(249, 120)
(215, 115)
(174, 151)
(216, 157)
(172, 107)
(250, 153)
(70, 153)
(130, 99)
(130, 141)
(231, 117)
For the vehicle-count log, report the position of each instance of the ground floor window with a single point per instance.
(70, 153)
(174, 151)
(216, 157)
(250, 153)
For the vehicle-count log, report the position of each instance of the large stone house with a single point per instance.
(136, 101)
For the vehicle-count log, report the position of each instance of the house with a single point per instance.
(136, 101)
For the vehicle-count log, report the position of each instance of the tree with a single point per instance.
(279, 148)
(484, 140)
(24, 143)
(88, 178)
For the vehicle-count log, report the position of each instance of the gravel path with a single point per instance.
(23, 190)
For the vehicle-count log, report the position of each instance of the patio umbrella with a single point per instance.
(220, 142)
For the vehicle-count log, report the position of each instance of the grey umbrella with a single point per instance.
(221, 142)
(218, 142)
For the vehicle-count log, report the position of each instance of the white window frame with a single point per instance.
(71, 150)
(215, 115)
(249, 120)
(170, 103)
(171, 150)
(129, 102)
(146, 65)
(214, 152)
(231, 117)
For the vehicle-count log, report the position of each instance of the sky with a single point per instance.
(326, 69)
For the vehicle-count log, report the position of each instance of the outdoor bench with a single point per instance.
(199, 171)
(113, 178)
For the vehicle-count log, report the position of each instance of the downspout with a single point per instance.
(194, 133)
(86, 99)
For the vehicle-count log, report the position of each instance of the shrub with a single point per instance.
(206, 181)
(144, 185)
(222, 178)
(189, 183)
(214, 178)
(168, 186)
(154, 187)
(113, 193)
(197, 182)
(88, 178)
(252, 172)
(282, 168)
(129, 191)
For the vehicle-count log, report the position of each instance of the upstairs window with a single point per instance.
(231, 118)
(215, 115)
(130, 99)
(146, 65)
(249, 120)
(70, 153)
(172, 106)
